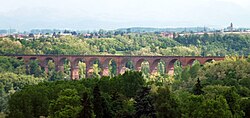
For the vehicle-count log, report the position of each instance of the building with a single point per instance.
(230, 28)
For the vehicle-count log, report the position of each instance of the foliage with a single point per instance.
(11, 65)
(222, 88)
(10, 83)
(166, 104)
(198, 88)
(87, 107)
(213, 108)
(132, 44)
(67, 105)
(129, 83)
(58, 97)
(143, 104)
(34, 69)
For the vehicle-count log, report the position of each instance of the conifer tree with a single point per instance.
(98, 110)
(87, 110)
(143, 105)
(198, 88)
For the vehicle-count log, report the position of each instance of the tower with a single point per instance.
(231, 27)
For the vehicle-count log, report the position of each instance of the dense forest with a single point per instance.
(216, 89)
(131, 44)
(219, 89)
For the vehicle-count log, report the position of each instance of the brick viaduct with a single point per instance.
(119, 60)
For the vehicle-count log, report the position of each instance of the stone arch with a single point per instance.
(106, 67)
(19, 58)
(45, 63)
(205, 60)
(106, 62)
(90, 67)
(126, 64)
(76, 68)
(138, 64)
(24, 60)
(92, 61)
(61, 64)
(154, 66)
(32, 58)
(61, 61)
(77, 60)
(143, 65)
(209, 60)
(170, 66)
(46, 60)
(124, 61)
(191, 62)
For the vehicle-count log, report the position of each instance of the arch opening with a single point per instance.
(50, 68)
(64, 67)
(158, 67)
(33, 68)
(143, 66)
(193, 62)
(32, 58)
(209, 60)
(49, 63)
(19, 58)
(126, 65)
(109, 67)
(78, 69)
(174, 67)
(94, 69)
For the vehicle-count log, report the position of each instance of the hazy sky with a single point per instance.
(112, 14)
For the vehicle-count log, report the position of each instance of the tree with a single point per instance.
(198, 88)
(194, 70)
(113, 67)
(10, 64)
(57, 76)
(3, 98)
(101, 109)
(185, 75)
(245, 106)
(28, 103)
(67, 105)
(165, 104)
(117, 104)
(233, 100)
(87, 110)
(213, 108)
(82, 70)
(143, 104)
(20, 107)
(129, 83)
(35, 69)
(10, 83)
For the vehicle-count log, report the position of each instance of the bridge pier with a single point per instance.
(153, 69)
(46, 69)
(74, 72)
(119, 60)
(118, 68)
(87, 75)
(105, 71)
(60, 68)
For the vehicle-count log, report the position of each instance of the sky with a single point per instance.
(113, 14)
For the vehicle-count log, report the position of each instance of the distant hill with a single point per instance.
(148, 29)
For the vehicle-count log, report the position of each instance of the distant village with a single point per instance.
(168, 32)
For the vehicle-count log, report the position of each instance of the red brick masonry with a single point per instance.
(120, 61)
